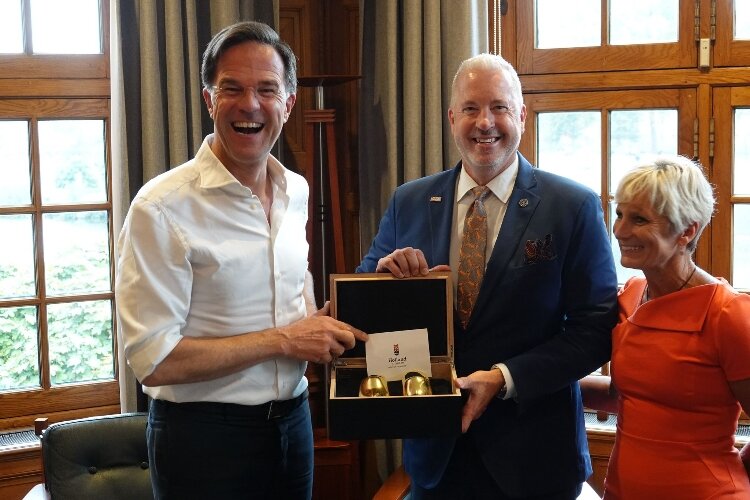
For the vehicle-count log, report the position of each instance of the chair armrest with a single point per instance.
(396, 487)
(38, 492)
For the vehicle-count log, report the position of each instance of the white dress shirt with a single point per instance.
(198, 258)
(501, 187)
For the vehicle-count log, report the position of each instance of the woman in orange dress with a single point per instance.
(680, 351)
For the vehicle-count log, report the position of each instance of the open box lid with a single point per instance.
(379, 302)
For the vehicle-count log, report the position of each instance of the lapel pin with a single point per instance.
(523, 202)
(436, 198)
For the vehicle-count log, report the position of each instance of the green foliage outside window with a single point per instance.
(18, 348)
(79, 333)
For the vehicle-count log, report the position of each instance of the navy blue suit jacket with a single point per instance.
(546, 308)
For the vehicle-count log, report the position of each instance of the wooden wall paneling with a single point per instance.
(20, 470)
(342, 58)
(324, 35)
(508, 40)
(298, 26)
(336, 469)
(600, 448)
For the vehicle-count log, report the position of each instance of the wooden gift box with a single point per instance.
(378, 302)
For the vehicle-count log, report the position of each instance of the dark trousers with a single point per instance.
(467, 478)
(217, 450)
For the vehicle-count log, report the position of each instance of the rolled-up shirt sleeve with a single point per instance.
(153, 288)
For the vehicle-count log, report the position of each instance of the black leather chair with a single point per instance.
(95, 458)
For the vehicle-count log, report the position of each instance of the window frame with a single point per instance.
(727, 50)
(680, 54)
(725, 101)
(605, 101)
(30, 67)
(34, 87)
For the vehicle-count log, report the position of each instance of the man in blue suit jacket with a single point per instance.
(544, 312)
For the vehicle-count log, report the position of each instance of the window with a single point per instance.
(732, 174)
(595, 138)
(641, 91)
(635, 78)
(57, 328)
(597, 35)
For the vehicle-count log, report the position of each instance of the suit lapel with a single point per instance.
(521, 207)
(441, 199)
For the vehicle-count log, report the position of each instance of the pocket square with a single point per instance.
(539, 250)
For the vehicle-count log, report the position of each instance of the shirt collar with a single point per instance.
(501, 185)
(215, 175)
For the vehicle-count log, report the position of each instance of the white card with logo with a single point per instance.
(392, 354)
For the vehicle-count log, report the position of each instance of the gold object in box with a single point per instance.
(373, 386)
(416, 384)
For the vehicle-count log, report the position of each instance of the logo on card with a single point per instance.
(396, 360)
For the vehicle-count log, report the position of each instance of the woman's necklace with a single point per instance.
(646, 296)
(687, 280)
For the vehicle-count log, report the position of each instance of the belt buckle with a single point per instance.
(276, 410)
(270, 415)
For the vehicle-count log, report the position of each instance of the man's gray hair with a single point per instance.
(490, 62)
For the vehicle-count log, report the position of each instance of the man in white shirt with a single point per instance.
(210, 292)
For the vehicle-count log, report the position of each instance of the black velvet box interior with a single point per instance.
(381, 303)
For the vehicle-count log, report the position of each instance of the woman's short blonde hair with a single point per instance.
(676, 188)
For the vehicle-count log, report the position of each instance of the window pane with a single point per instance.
(623, 273)
(72, 161)
(570, 144)
(741, 247)
(69, 27)
(19, 361)
(741, 20)
(76, 252)
(11, 35)
(741, 167)
(16, 257)
(80, 341)
(643, 21)
(14, 150)
(567, 24)
(637, 136)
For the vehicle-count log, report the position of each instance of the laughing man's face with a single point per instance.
(248, 104)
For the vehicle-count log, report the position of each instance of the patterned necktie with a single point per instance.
(471, 259)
